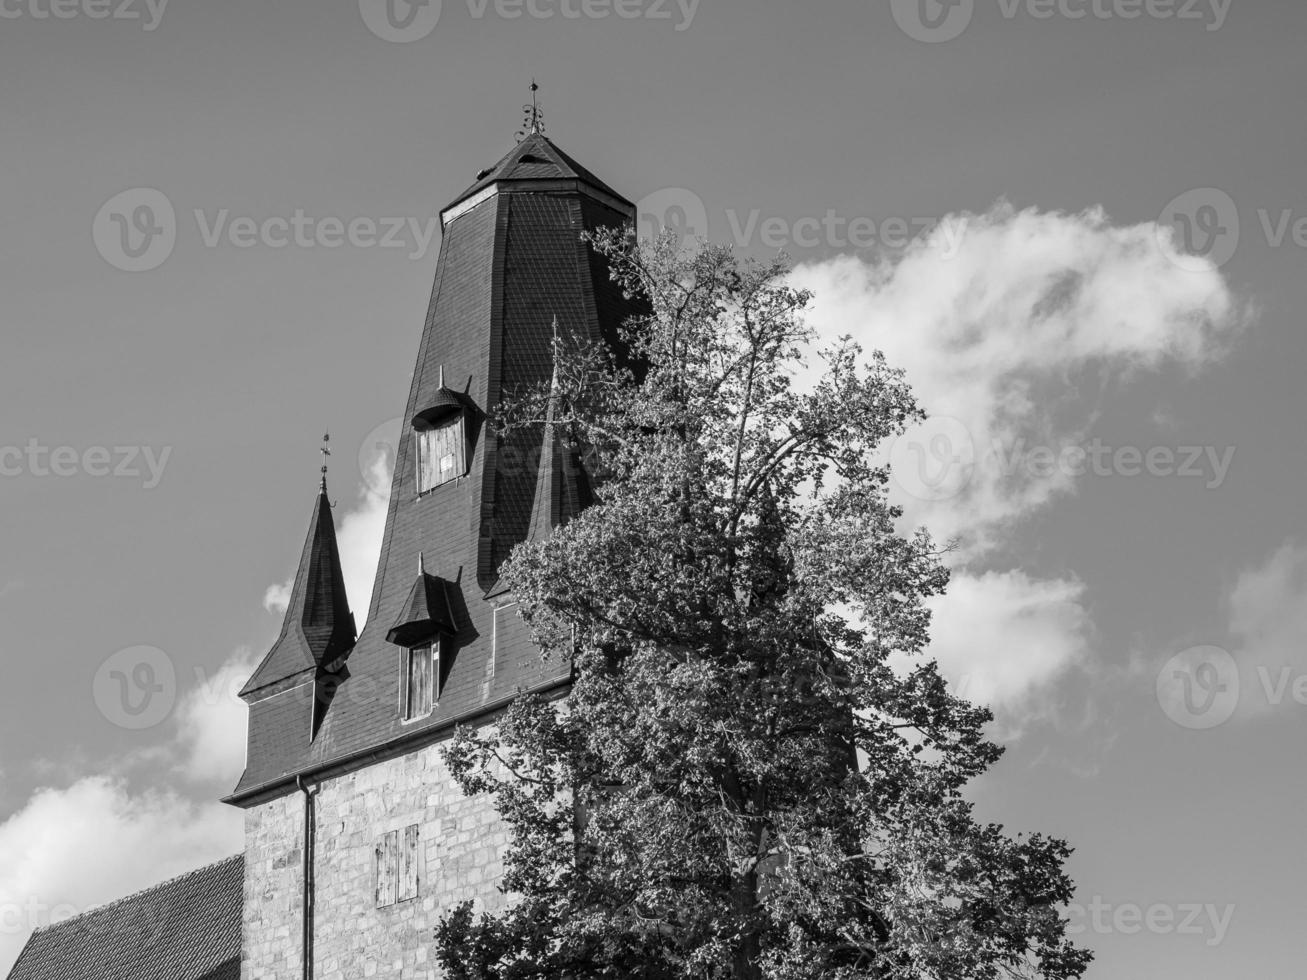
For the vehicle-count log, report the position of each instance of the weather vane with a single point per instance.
(534, 121)
(325, 449)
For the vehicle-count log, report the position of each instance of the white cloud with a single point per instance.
(359, 534)
(1002, 329)
(277, 597)
(211, 724)
(1003, 639)
(95, 841)
(1016, 330)
(1268, 623)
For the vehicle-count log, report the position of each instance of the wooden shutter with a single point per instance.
(419, 683)
(441, 454)
(408, 864)
(387, 869)
(449, 451)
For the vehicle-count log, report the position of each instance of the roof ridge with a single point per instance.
(96, 909)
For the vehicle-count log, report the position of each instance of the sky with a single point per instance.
(1078, 225)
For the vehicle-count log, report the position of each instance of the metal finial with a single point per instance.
(533, 122)
(422, 565)
(326, 451)
(442, 376)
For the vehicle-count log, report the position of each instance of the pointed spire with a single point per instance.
(560, 491)
(318, 628)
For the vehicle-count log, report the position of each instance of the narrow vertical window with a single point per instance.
(421, 680)
(441, 455)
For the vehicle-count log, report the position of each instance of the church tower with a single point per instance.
(357, 840)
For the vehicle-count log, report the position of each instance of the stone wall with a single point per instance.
(459, 843)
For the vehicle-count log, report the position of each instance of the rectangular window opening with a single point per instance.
(441, 454)
(421, 680)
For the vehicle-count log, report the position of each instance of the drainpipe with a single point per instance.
(306, 868)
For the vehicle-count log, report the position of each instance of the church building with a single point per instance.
(357, 841)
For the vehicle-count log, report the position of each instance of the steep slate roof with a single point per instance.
(509, 264)
(536, 158)
(188, 928)
(318, 628)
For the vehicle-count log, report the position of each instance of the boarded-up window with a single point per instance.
(440, 454)
(397, 871)
(421, 680)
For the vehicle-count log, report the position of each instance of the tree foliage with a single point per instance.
(739, 783)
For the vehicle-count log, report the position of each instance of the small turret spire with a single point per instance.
(534, 122)
(553, 353)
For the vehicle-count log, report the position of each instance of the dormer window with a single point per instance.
(425, 633)
(441, 453)
(439, 431)
(421, 680)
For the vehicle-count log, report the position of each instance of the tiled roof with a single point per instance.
(188, 928)
(537, 158)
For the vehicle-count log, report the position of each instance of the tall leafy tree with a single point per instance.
(740, 783)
